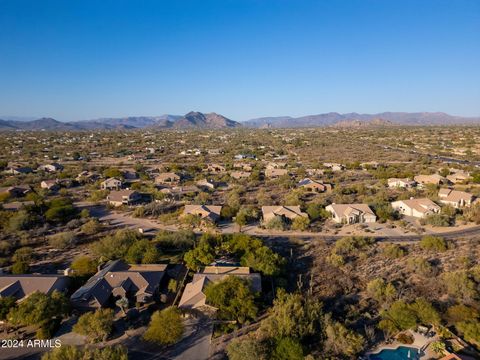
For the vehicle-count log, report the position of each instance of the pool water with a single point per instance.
(400, 353)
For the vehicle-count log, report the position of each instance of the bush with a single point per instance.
(91, 227)
(142, 252)
(405, 338)
(115, 246)
(96, 326)
(84, 266)
(166, 327)
(276, 223)
(393, 251)
(69, 352)
(300, 223)
(433, 243)
(287, 349)
(247, 348)
(62, 240)
(440, 220)
(181, 240)
(234, 299)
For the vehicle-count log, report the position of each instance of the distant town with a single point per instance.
(210, 240)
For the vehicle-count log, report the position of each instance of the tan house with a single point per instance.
(138, 283)
(111, 184)
(457, 199)
(314, 185)
(215, 168)
(240, 174)
(400, 183)
(275, 173)
(418, 208)
(334, 166)
(434, 179)
(123, 197)
(21, 286)
(276, 165)
(54, 167)
(167, 178)
(211, 212)
(289, 212)
(206, 184)
(193, 296)
(49, 184)
(458, 177)
(351, 213)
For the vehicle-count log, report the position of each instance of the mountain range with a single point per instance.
(332, 118)
(192, 120)
(198, 120)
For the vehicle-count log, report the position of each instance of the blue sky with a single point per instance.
(72, 59)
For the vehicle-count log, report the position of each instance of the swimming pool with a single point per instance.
(400, 353)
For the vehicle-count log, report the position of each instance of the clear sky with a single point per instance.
(81, 59)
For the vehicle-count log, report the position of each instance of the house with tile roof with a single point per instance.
(289, 212)
(211, 212)
(117, 279)
(21, 286)
(193, 297)
(351, 213)
(456, 198)
(418, 208)
(314, 185)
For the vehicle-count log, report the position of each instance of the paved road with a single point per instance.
(121, 219)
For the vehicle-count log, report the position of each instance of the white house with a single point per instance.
(400, 183)
(351, 213)
(457, 199)
(418, 208)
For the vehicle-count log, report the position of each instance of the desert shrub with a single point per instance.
(433, 243)
(393, 251)
(62, 240)
(166, 327)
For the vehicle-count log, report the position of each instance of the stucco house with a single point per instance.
(457, 199)
(50, 185)
(458, 177)
(167, 178)
(211, 212)
(123, 197)
(111, 184)
(117, 279)
(21, 286)
(275, 173)
(351, 213)
(289, 212)
(240, 174)
(418, 208)
(193, 297)
(314, 185)
(54, 167)
(434, 179)
(400, 183)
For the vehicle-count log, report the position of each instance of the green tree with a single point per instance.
(433, 243)
(96, 326)
(287, 349)
(115, 246)
(6, 304)
(341, 341)
(113, 173)
(292, 315)
(470, 330)
(397, 318)
(69, 352)
(84, 266)
(247, 348)
(203, 254)
(234, 299)
(91, 227)
(166, 327)
(142, 252)
(300, 223)
(381, 291)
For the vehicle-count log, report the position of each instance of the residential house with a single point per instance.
(314, 185)
(243, 166)
(400, 183)
(18, 170)
(434, 179)
(206, 184)
(315, 172)
(334, 166)
(167, 178)
(457, 199)
(458, 177)
(111, 184)
(54, 167)
(289, 212)
(245, 156)
(179, 191)
(276, 165)
(275, 173)
(123, 197)
(351, 213)
(193, 296)
(215, 168)
(15, 191)
(418, 208)
(117, 279)
(240, 174)
(87, 177)
(211, 212)
(51, 185)
(21, 286)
